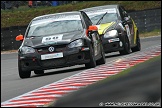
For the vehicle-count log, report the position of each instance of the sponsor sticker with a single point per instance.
(101, 11)
(55, 18)
(51, 56)
(127, 29)
(67, 17)
(49, 39)
(113, 40)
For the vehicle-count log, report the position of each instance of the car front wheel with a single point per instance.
(126, 47)
(138, 46)
(102, 60)
(23, 74)
(92, 62)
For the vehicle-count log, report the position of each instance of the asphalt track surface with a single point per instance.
(12, 85)
(137, 86)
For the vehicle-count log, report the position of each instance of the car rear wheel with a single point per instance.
(102, 60)
(92, 62)
(23, 74)
(126, 47)
(39, 71)
(138, 46)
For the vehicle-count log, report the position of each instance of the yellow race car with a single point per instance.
(116, 28)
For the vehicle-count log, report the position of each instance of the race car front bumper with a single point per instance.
(74, 56)
(112, 44)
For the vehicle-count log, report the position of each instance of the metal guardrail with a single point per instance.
(147, 20)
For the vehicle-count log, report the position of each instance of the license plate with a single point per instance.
(51, 56)
(113, 40)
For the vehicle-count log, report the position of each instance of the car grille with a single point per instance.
(44, 50)
(53, 62)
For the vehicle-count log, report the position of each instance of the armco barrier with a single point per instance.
(8, 36)
(146, 20)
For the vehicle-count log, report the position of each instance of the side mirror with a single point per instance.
(92, 28)
(19, 38)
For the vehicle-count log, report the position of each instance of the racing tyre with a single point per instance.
(126, 47)
(39, 71)
(138, 46)
(23, 74)
(92, 62)
(102, 60)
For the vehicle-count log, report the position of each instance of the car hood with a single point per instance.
(102, 28)
(57, 39)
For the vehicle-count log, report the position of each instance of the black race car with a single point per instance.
(116, 28)
(59, 40)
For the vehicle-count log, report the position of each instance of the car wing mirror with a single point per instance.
(92, 28)
(19, 38)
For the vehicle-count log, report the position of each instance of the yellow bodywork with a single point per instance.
(135, 31)
(103, 27)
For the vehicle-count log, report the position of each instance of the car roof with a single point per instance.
(99, 7)
(63, 13)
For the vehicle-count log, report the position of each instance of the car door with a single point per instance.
(95, 36)
(127, 23)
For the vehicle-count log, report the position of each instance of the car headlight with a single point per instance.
(76, 43)
(111, 33)
(26, 50)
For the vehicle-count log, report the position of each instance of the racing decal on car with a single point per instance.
(56, 18)
(128, 31)
(49, 39)
(113, 40)
(67, 17)
(51, 56)
(135, 31)
(103, 27)
(101, 11)
(113, 10)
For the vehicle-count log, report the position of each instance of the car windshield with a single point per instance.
(110, 16)
(51, 26)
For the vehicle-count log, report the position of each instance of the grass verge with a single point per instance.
(23, 15)
(156, 32)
